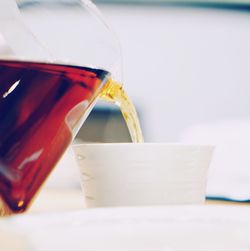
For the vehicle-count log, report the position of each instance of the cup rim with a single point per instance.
(146, 144)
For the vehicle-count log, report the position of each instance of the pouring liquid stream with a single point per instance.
(113, 92)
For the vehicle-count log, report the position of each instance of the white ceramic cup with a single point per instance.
(127, 174)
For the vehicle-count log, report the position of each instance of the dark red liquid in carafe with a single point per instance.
(35, 102)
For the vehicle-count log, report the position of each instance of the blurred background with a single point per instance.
(185, 64)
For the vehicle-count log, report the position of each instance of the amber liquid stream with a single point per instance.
(39, 106)
(114, 92)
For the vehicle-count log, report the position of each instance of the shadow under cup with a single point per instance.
(127, 174)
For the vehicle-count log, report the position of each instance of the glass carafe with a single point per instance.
(55, 56)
